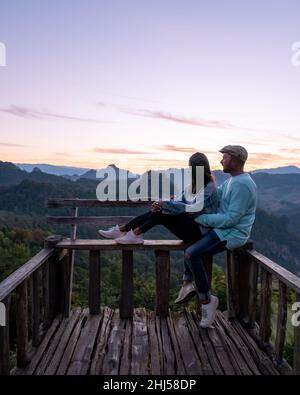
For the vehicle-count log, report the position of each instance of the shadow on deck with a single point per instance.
(147, 344)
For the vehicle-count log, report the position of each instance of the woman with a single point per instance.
(177, 216)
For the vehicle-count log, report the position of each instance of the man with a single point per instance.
(230, 228)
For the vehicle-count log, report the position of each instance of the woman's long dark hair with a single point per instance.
(199, 159)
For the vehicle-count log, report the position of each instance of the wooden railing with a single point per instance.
(39, 294)
(48, 277)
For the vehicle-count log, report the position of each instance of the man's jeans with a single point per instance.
(209, 245)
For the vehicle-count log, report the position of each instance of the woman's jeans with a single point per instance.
(185, 228)
(209, 245)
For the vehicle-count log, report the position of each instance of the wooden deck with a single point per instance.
(105, 344)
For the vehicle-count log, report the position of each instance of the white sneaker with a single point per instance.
(130, 238)
(112, 233)
(186, 293)
(209, 312)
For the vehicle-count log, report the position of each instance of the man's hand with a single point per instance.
(156, 206)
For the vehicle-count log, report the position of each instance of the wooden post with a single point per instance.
(281, 322)
(46, 296)
(22, 324)
(231, 285)
(54, 278)
(94, 283)
(36, 306)
(296, 365)
(242, 276)
(162, 282)
(71, 263)
(66, 270)
(265, 328)
(4, 341)
(126, 301)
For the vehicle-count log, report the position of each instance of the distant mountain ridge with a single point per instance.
(85, 172)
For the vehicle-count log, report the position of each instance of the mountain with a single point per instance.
(53, 169)
(92, 174)
(279, 170)
(11, 175)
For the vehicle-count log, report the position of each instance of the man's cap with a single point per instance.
(237, 151)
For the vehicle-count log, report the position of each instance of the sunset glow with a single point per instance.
(145, 84)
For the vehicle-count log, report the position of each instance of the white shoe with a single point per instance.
(130, 238)
(112, 233)
(186, 293)
(209, 312)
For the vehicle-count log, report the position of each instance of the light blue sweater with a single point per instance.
(236, 213)
(206, 201)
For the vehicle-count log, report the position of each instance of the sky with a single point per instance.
(144, 84)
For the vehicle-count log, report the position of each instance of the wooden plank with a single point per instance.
(82, 356)
(80, 244)
(17, 277)
(288, 278)
(4, 340)
(162, 269)
(169, 357)
(140, 344)
(265, 327)
(111, 362)
(91, 220)
(59, 203)
(126, 300)
(187, 348)
(155, 360)
(281, 322)
(262, 361)
(220, 351)
(22, 324)
(104, 333)
(36, 308)
(236, 359)
(210, 351)
(30, 369)
(66, 359)
(125, 364)
(49, 354)
(66, 336)
(202, 355)
(179, 365)
(159, 342)
(94, 282)
(296, 364)
(241, 347)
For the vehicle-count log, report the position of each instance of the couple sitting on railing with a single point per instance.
(225, 221)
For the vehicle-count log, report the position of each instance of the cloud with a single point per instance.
(293, 151)
(12, 145)
(174, 148)
(119, 151)
(165, 116)
(62, 154)
(30, 113)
